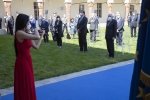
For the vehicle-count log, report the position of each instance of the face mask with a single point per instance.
(58, 18)
(81, 14)
(29, 27)
(109, 18)
(72, 20)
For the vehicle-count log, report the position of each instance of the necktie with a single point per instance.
(80, 19)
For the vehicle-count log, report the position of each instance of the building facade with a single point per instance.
(69, 7)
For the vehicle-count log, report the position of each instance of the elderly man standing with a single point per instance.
(40, 20)
(64, 20)
(110, 34)
(133, 26)
(82, 31)
(53, 26)
(45, 26)
(93, 27)
(10, 24)
(120, 29)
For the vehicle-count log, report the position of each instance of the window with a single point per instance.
(81, 7)
(36, 10)
(131, 9)
(99, 9)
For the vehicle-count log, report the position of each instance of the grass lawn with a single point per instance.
(50, 61)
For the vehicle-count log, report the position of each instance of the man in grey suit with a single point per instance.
(93, 27)
(65, 26)
(40, 20)
(133, 22)
(53, 26)
(120, 29)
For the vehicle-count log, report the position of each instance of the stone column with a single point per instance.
(68, 10)
(127, 5)
(41, 8)
(90, 5)
(110, 8)
(7, 5)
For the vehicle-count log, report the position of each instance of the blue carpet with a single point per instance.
(113, 84)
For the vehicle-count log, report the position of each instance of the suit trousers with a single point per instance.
(45, 36)
(59, 40)
(82, 41)
(65, 27)
(110, 47)
(0, 25)
(133, 29)
(119, 38)
(128, 23)
(10, 30)
(53, 35)
(92, 35)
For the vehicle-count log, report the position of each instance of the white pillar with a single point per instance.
(41, 7)
(68, 9)
(110, 4)
(90, 5)
(7, 5)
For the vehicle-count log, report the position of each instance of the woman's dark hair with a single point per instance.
(21, 22)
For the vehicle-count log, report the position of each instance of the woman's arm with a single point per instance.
(21, 35)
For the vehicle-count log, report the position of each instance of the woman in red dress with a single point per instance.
(24, 88)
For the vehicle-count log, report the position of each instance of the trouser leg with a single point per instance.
(131, 31)
(80, 42)
(134, 31)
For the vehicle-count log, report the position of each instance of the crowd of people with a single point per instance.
(59, 26)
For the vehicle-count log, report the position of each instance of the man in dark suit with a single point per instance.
(0, 23)
(110, 34)
(133, 21)
(93, 27)
(45, 26)
(120, 29)
(82, 31)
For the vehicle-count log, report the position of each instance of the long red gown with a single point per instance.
(24, 88)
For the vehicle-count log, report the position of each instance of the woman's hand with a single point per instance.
(43, 32)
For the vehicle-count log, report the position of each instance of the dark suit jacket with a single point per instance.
(45, 25)
(82, 25)
(120, 24)
(0, 20)
(10, 22)
(133, 21)
(93, 23)
(58, 28)
(111, 29)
